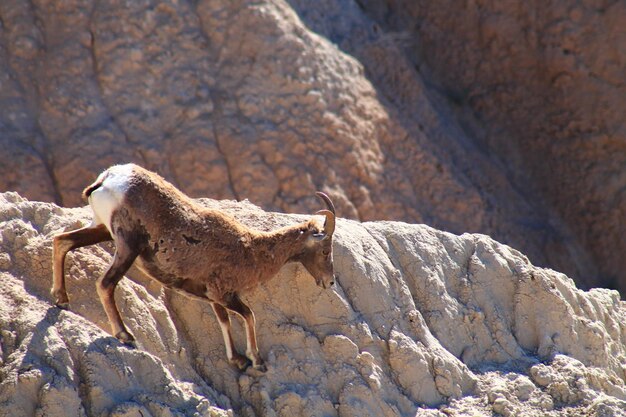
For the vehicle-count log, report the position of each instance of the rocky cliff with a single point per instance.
(488, 117)
(421, 323)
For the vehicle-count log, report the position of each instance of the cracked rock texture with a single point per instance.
(487, 116)
(421, 323)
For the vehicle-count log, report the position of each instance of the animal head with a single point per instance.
(317, 257)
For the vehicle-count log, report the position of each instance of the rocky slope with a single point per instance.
(542, 87)
(485, 117)
(421, 323)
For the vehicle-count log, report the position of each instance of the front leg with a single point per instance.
(233, 356)
(235, 304)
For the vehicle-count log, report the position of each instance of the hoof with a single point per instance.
(260, 367)
(127, 339)
(257, 370)
(241, 362)
(63, 305)
(60, 299)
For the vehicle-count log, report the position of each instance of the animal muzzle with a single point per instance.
(326, 283)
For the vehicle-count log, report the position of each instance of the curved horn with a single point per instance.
(327, 200)
(329, 224)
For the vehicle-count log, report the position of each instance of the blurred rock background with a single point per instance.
(496, 117)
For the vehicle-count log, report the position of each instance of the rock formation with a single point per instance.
(421, 323)
(488, 117)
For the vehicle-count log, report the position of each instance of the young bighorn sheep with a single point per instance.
(200, 252)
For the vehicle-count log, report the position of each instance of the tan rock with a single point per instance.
(488, 118)
(421, 321)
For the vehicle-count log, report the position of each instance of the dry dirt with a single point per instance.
(502, 118)
(421, 323)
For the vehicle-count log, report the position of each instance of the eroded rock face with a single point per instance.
(274, 100)
(542, 87)
(421, 322)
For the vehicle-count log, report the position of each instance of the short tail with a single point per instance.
(93, 187)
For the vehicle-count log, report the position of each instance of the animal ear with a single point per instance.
(313, 226)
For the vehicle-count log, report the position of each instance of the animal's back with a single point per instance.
(177, 238)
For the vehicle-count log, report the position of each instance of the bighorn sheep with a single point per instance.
(200, 252)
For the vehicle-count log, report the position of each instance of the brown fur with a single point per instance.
(185, 241)
(201, 252)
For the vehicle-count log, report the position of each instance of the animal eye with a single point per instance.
(325, 252)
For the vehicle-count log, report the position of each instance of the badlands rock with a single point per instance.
(542, 88)
(421, 323)
(490, 117)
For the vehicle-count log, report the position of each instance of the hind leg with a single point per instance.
(122, 260)
(62, 244)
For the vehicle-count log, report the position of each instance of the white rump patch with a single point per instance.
(108, 197)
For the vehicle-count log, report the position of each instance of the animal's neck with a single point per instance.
(284, 244)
